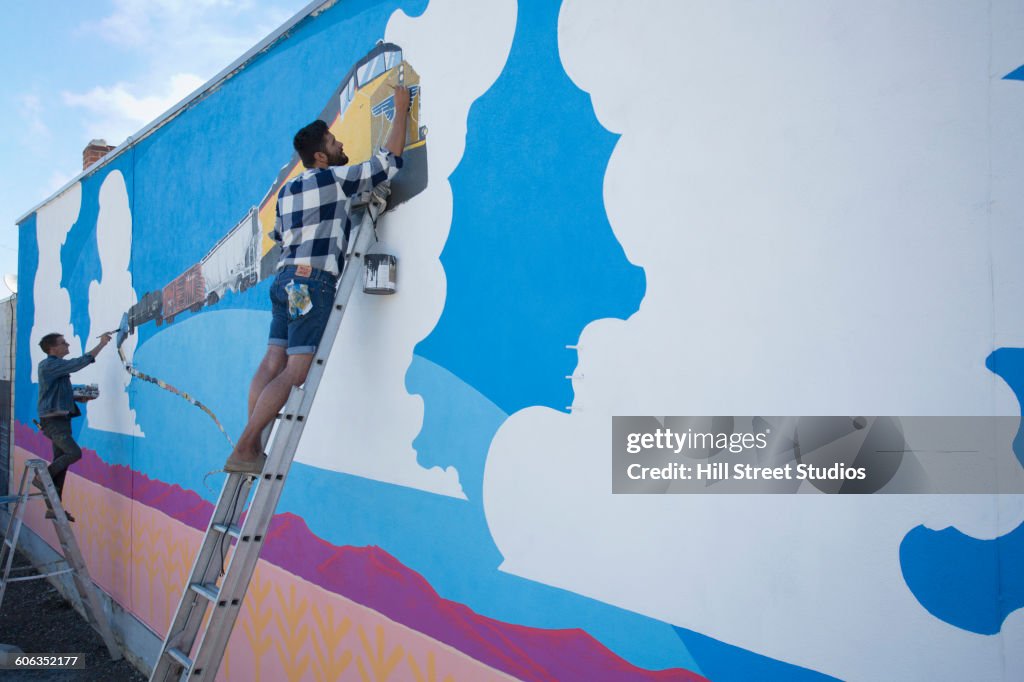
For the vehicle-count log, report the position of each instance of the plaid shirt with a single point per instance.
(313, 210)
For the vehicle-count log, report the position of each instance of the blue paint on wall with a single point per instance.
(964, 581)
(723, 662)
(457, 431)
(80, 260)
(531, 258)
(219, 377)
(970, 583)
(26, 392)
(1015, 75)
(1008, 364)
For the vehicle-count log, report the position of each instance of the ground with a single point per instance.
(35, 618)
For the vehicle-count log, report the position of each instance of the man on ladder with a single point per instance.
(57, 405)
(312, 225)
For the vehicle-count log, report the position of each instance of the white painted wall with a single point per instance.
(378, 422)
(52, 303)
(835, 184)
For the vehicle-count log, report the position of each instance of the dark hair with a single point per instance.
(49, 341)
(309, 141)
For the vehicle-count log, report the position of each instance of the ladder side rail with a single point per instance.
(88, 592)
(182, 632)
(235, 585)
(11, 535)
(41, 475)
(352, 272)
(264, 505)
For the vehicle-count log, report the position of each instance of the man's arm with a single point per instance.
(104, 340)
(53, 367)
(396, 138)
(386, 163)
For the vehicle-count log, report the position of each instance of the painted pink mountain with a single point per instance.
(372, 577)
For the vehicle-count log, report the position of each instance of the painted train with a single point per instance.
(233, 264)
(360, 112)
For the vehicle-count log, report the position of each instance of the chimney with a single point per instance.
(94, 151)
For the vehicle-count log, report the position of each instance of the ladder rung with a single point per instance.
(36, 569)
(207, 590)
(41, 575)
(232, 530)
(9, 543)
(179, 656)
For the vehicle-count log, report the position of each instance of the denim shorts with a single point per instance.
(298, 322)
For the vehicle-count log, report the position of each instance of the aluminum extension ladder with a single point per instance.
(180, 657)
(37, 474)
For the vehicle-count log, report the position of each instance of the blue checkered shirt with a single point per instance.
(313, 210)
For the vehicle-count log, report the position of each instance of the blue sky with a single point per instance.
(104, 69)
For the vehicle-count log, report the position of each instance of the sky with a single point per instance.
(104, 69)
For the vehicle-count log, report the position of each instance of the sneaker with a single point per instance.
(241, 466)
(50, 514)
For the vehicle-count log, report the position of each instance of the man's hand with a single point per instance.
(104, 340)
(396, 138)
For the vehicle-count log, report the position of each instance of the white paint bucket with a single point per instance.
(381, 273)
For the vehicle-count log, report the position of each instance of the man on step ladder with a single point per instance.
(57, 405)
(313, 221)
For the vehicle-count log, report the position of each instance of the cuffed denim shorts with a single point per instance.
(297, 330)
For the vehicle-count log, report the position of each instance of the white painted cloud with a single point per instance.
(806, 186)
(109, 299)
(374, 427)
(52, 303)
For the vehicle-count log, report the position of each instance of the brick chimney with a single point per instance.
(94, 151)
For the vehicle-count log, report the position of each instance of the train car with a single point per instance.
(149, 307)
(233, 264)
(185, 292)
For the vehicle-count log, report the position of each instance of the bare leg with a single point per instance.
(271, 399)
(273, 364)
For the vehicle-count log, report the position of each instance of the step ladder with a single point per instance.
(36, 474)
(210, 582)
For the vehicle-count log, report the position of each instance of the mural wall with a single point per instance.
(676, 208)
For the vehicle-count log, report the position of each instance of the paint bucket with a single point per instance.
(86, 391)
(381, 273)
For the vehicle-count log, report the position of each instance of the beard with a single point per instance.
(338, 159)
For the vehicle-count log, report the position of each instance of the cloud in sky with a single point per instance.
(118, 111)
(181, 44)
(200, 36)
(32, 113)
(133, 59)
